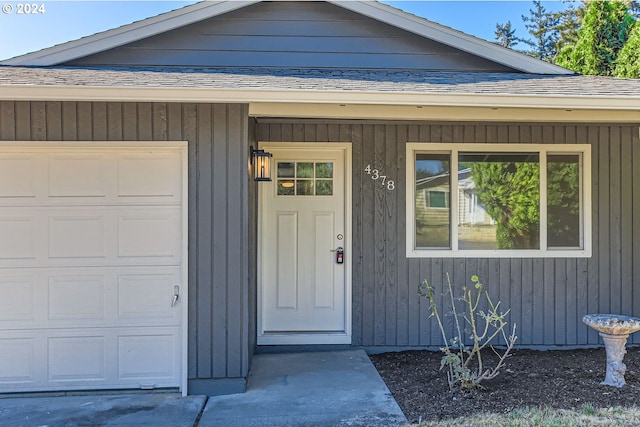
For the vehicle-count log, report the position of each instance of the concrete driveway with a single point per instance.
(338, 388)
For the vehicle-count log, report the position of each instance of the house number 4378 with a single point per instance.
(376, 175)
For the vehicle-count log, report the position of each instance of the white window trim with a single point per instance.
(412, 148)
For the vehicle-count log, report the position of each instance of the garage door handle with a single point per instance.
(176, 295)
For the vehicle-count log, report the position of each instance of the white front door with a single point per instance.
(304, 291)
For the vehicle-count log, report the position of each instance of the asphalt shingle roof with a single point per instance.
(331, 80)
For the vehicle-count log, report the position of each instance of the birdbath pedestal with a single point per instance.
(614, 331)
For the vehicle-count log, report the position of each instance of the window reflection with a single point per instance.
(563, 201)
(499, 201)
(433, 219)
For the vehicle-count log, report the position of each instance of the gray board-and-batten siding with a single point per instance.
(547, 297)
(291, 34)
(220, 322)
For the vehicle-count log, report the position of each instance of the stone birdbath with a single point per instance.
(614, 330)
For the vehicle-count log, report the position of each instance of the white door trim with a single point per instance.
(315, 338)
(115, 145)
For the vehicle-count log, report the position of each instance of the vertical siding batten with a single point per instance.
(635, 234)
(237, 214)
(593, 292)
(219, 164)
(7, 120)
(357, 266)
(38, 121)
(404, 291)
(379, 228)
(615, 221)
(604, 222)
(204, 242)
(189, 132)
(114, 121)
(626, 224)
(54, 120)
(389, 169)
(368, 246)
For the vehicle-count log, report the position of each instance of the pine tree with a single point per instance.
(569, 23)
(505, 35)
(543, 26)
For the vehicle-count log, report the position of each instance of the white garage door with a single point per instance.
(91, 255)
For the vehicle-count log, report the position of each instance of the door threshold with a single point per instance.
(303, 339)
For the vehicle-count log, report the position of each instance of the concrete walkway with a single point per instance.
(340, 388)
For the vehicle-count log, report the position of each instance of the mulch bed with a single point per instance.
(563, 379)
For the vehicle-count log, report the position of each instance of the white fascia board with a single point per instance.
(450, 37)
(126, 34)
(440, 113)
(251, 95)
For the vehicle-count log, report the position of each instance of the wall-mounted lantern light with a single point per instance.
(261, 162)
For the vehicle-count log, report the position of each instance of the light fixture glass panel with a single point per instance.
(261, 165)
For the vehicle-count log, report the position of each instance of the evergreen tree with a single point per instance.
(628, 61)
(569, 23)
(634, 9)
(606, 27)
(543, 27)
(505, 35)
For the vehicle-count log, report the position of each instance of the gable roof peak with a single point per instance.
(210, 8)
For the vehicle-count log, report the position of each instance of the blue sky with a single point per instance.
(60, 21)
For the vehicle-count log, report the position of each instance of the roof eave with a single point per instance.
(253, 95)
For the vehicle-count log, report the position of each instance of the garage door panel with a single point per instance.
(146, 296)
(76, 358)
(18, 237)
(143, 234)
(64, 170)
(18, 298)
(77, 236)
(17, 360)
(147, 357)
(17, 176)
(65, 293)
(145, 175)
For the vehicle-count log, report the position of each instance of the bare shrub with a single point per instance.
(464, 363)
